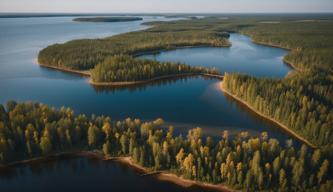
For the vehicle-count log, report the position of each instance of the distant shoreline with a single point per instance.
(107, 19)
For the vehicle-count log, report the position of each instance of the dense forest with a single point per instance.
(308, 110)
(308, 37)
(30, 130)
(310, 41)
(107, 19)
(87, 53)
(303, 101)
(122, 68)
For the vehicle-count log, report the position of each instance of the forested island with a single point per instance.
(107, 19)
(125, 68)
(30, 130)
(86, 54)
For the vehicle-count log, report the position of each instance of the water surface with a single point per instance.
(243, 56)
(186, 103)
(85, 174)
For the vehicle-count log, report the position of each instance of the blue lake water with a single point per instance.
(185, 103)
(242, 57)
(85, 174)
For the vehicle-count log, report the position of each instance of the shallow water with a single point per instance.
(185, 103)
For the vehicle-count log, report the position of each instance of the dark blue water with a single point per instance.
(81, 174)
(185, 103)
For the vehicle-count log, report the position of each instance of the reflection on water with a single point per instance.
(184, 102)
(265, 121)
(243, 57)
(191, 101)
(145, 86)
(70, 173)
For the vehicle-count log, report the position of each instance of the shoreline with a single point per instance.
(294, 71)
(158, 51)
(170, 177)
(127, 161)
(284, 60)
(127, 83)
(77, 72)
(164, 77)
(109, 19)
(54, 156)
(282, 126)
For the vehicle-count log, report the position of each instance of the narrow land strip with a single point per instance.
(126, 83)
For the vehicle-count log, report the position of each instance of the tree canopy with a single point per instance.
(30, 130)
(121, 68)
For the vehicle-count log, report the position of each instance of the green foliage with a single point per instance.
(302, 103)
(33, 129)
(87, 53)
(126, 68)
(311, 43)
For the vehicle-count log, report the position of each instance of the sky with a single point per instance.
(166, 6)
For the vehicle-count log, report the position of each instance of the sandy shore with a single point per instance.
(170, 177)
(78, 72)
(127, 161)
(282, 126)
(186, 183)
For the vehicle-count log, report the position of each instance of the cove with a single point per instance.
(243, 56)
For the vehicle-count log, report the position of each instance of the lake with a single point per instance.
(185, 103)
(87, 174)
(242, 57)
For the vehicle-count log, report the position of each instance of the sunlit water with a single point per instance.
(185, 103)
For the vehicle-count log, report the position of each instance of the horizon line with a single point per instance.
(135, 12)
